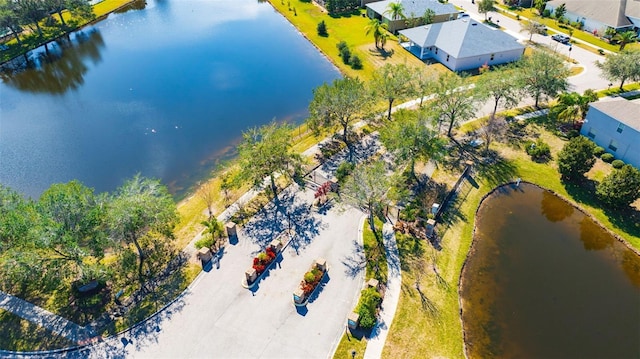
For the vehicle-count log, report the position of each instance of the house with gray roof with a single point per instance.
(614, 124)
(413, 10)
(597, 15)
(462, 44)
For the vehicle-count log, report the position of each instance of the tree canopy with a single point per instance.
(576, 158)
(543, 74)
(391, 82)
(620, 188)
(454, 100)
(621, 67)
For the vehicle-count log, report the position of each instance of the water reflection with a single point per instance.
(135, 5)
(593, 237)
(60, 67)
(553, 209)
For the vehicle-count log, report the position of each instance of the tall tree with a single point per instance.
(337, 105)
(572, 106)
(454, 100)
(73, 220)
(18, 216)
(543, 74)
(560, 12)
(377, 29)
(141, 209)
(265, 152)
(32, 11)
(423, 82)
(485, 7)
(624, 38)
(395, 10)
(411, 138)
(391, 82)
(532, 28)
(10, 18)
(367, 188)
(576, 158)
(621, 67)
(503, 86)
(620, 188)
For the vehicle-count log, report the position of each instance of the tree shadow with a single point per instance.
(356, 262)
(497, 171)
(381, 52)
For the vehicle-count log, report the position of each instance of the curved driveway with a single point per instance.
(217, 317)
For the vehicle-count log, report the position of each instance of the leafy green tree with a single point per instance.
(621, 67)
(31, 12)
(620, 188)
(73, 227)
(377, 29)
(395, 10)
(391, 82)
(410, 138)
(572, 106)
(140, 211)
(428, 16)
(80, 8)
(560, 12)
(485, 7)
(17, 218)
(502, 86)
(539, 5)
(576, 158)
(543, 74)
(367, 188)
(337, 105)
(454, 100)
(532, 28)
(423, 82)
(10, 18)
(265, 152)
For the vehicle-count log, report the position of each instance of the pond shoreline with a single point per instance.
(472, 248)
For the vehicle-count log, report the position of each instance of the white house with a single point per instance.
(614, 124)
(412, 9)
(597, 15)
(462, 44)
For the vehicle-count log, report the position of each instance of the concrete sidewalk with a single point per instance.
(56, 324)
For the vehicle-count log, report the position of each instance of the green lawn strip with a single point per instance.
(349, 28)
(434, 329)
(17, 334)
(376, 267)
(31, 41)
(615, 89)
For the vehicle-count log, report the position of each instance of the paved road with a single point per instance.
(216, 316)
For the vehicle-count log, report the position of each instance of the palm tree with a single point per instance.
(573, 106)
(214, 229)
(395, 10)
(625, 37)
(376, 28)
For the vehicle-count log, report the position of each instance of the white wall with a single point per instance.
(605, 130)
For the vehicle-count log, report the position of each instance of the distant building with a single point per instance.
(462, 44)
(597, 15)
(413, 10)
(614, 124)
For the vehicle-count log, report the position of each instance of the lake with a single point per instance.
(544, 281)
(164, 89)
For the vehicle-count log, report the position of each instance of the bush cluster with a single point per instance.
(607, 157)
(348, 58)
(370, 299)
(617, 164)
(598, 151)
(539, 150)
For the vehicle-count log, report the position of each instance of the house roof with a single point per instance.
(610, 12)
(633, 8)
(462, 38)
(415, 7)
(625, 111)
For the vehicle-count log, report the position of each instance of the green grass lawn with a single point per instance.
(17, 334)
(434, 329)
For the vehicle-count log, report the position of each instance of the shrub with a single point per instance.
(370, 299)
(342, 45)
(546, 13)
(204, 242)
(345, 53)
(607, 157)
(343, 171)
(309, 277)
(620, 188)
(539, 151)
(598, 151)
(576, 158)
(572, 134)
(322, 29)
(355, 62)
(617, 164)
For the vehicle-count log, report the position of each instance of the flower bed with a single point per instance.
(265, 259)
(311, 281)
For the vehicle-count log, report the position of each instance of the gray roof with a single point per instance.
(633, 8)
(610, 12)
(415, 7)
(462, 38)
(625, 111)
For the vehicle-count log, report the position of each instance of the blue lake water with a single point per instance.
(165, 91)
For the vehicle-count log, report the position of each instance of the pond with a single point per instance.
(164, 89)
(544, 281)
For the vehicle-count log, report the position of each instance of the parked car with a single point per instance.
(563, 39)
